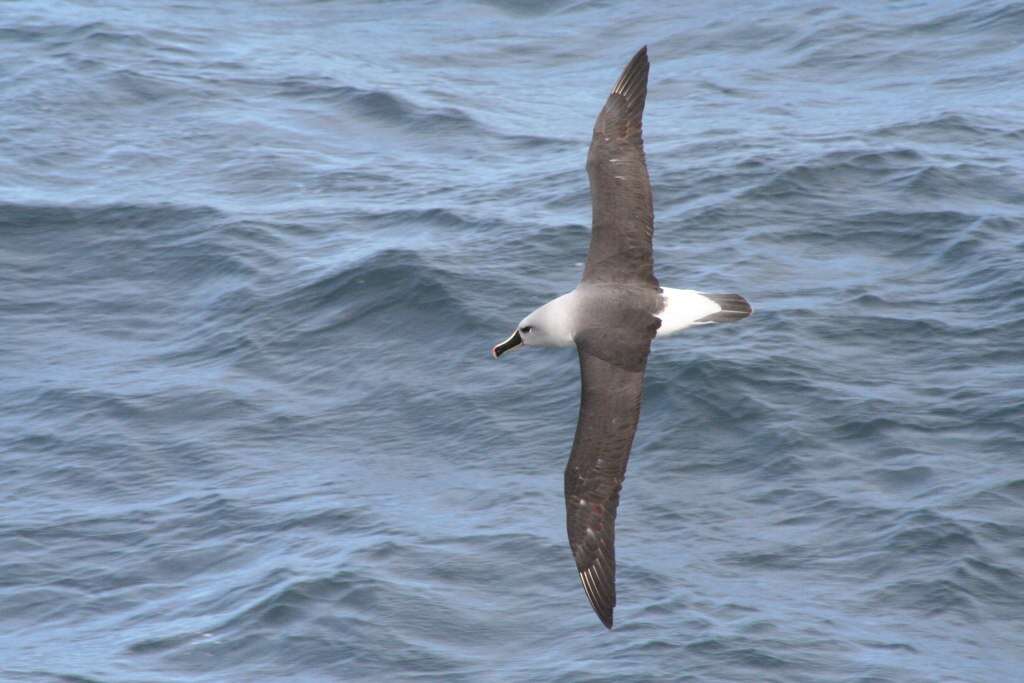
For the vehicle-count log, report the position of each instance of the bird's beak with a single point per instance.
(507, 345)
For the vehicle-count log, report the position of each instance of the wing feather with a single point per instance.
(609, 413)
(620, 189)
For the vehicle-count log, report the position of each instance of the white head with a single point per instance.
(549, 325)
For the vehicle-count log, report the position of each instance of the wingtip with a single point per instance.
(640, 57)
(632, 84)
(603, 604)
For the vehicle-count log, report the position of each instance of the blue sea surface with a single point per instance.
(253, 256)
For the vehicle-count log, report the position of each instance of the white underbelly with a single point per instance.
(683, 307)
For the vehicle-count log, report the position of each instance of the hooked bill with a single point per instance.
(507, 345)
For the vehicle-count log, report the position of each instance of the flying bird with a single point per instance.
(611, 318)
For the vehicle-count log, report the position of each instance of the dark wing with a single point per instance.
(609, 412)
(620, 190)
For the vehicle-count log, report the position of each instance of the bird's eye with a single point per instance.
(525, 329)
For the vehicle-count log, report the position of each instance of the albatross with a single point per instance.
(611, 318)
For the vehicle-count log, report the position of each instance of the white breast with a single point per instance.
(683, 307)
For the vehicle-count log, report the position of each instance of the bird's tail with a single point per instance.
(734, 307)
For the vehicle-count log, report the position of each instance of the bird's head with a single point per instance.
(521, 337)
(549, 325)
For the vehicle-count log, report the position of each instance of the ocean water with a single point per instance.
(253, 257)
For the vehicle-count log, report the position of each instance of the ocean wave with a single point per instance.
(843, 168)
(395, 294)
(37, 218)
(1002, 17)
(378, 105)
(535, 8)
(959, 126)
(63, 36)
(393, 279)
(330, 620)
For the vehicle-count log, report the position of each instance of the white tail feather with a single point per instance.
(686, 307)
